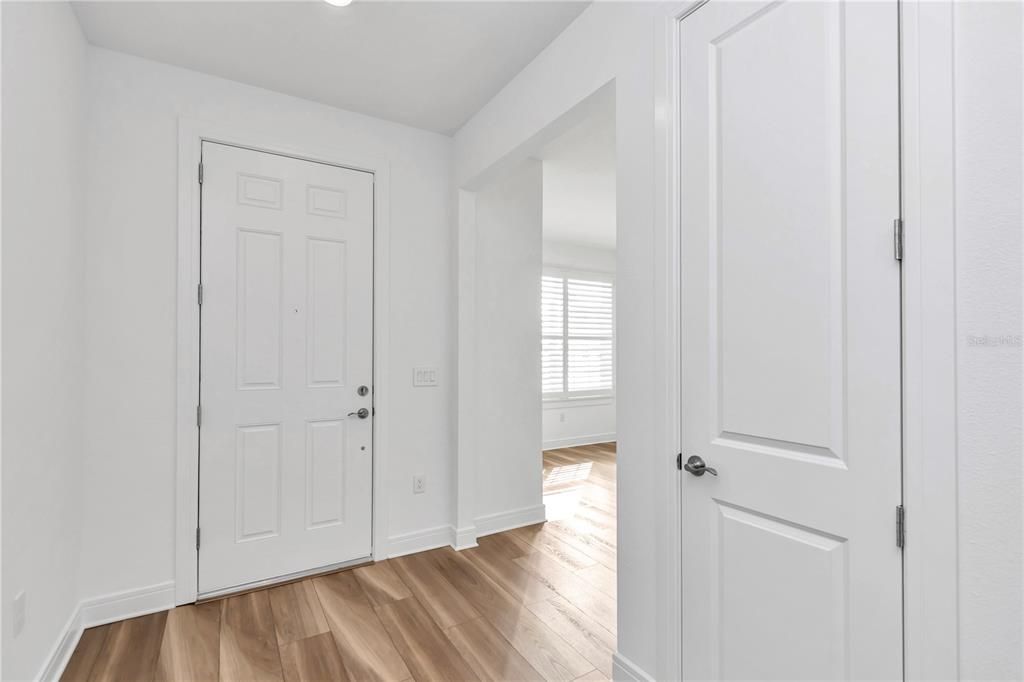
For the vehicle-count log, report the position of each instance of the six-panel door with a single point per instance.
(286, 340)
(791, 341)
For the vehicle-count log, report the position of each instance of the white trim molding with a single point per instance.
(59, 657)
(100, 611)
(668, 349)
(465, 538)
(930, 563)
(466, 398)
(191, 134)
(127, 604)
(624, 670)
(516, 518)
(576, 441)
(420, 541)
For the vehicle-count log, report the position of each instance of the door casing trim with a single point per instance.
(191, 134)
(930, 586)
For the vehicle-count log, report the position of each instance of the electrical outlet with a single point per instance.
(18, 614)
(419, 484)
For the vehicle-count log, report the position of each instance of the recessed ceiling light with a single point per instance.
(338, 3)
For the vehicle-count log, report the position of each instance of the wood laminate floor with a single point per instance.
(528, 604)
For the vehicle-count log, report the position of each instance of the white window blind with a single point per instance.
(577, 320)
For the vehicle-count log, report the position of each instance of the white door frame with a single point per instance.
(929, 335)
(191, 134)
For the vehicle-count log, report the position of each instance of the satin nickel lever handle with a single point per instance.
(696, 466)
(362, 413)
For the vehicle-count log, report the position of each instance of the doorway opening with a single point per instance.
(577, 328)
(543, 401)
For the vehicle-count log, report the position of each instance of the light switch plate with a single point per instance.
(425, 376)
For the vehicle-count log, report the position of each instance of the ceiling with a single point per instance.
(579, 182)
(431, 65)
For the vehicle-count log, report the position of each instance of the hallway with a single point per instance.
(530, 603)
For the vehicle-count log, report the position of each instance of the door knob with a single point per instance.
(696, 466)
(362, 413)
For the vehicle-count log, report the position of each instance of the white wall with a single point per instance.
(43, 324)
(134, 107)
(609, 41)
(577, 422)
(579, 181)
(508, 266)
(578, 256)
(988, 84)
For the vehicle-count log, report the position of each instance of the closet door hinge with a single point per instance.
(901, 527)
(200, 172)
(199, 293)
(198, 535)
(897, 238)
(679, 461)
(199, 416)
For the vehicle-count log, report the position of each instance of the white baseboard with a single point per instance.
(465, 538)
(624, 670)
(100, 611)
(517, 518)
(420, 541)
(576, 441)
(62, 650)
(128, 604)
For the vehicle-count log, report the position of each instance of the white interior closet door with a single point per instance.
(791, 341)
(287, 342)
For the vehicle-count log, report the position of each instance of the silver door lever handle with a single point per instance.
(696, 466)
(362, 413)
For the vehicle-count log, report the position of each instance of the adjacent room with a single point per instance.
(577, 295)
(511, 340)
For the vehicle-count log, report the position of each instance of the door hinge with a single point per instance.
(199, 293)
(901, 527)
(897, 238)
(198, 535)
(200, 172)
(679, 461)
(199, 416)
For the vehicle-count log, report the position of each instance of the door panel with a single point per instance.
(326, 296)
(791, 340)
(258, 468)
(756, 79)
(795, 577)
(259, 309)
(285, 472)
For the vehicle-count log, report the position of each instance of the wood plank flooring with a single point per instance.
(534, 603)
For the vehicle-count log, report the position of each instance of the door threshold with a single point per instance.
(281, 580)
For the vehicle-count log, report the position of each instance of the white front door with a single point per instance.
(789, 186)
(287, 342)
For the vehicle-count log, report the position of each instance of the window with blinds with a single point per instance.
(577, 320)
